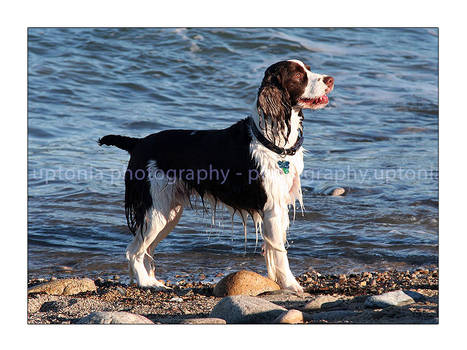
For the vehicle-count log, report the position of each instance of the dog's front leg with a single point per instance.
(276, 222)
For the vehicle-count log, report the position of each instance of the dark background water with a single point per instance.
(378, 138)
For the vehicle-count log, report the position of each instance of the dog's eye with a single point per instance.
(298, 75)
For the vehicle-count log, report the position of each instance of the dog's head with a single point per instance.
(289, 85)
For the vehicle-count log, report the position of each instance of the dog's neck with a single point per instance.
(295, 125)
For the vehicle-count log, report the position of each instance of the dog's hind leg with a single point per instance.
(139, 251)
(276, 222)
(172, 221)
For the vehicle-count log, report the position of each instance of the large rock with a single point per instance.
(67, 286)
(114, 317)
(246, 309)
(395, 298)
(244, 283)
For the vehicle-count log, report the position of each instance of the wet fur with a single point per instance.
(154, 204)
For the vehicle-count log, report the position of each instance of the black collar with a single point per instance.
(269, 145)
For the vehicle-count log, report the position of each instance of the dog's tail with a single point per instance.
(123, 142)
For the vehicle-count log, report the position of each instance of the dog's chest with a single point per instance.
(280, 175)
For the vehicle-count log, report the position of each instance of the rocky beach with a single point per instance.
(390, 297)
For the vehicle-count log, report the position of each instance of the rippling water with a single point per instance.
(378, 138)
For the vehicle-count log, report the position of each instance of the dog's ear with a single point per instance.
(274, 110)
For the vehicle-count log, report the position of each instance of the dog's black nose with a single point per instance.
(329, 81)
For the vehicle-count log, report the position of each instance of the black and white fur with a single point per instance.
(167, 168)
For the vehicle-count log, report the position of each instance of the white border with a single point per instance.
(18, 15)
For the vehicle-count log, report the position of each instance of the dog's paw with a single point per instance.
(293, 286)
(296, 288)
(160, 288)
(154, 284)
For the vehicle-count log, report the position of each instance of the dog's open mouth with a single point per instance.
(314, 103)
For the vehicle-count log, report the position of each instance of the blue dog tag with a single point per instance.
(284, 165)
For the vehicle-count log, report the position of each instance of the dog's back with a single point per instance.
(216, 163)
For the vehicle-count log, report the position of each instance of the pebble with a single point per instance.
(185, 292)
(64, 268)
(333, 191)
(339, 191)
(176, 299)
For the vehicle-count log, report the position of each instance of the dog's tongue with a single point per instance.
(323, 99)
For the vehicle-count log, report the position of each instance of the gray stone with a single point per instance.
(67, 286)
(207, 320)
(290, 317)
(322, 302)
(246, 309)
(114, 317)
(395, 298)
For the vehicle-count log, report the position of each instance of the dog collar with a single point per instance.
(271, 146)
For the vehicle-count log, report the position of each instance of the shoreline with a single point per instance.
(194, 300)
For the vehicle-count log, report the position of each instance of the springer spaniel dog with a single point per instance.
(252, 168)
